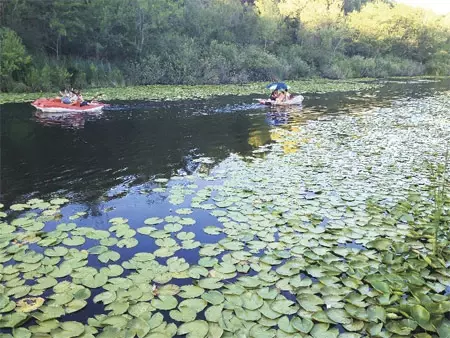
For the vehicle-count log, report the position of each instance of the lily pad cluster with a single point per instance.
(333, 239)
(175, 93)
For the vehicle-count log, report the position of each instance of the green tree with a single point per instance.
(13, 57)
(270, 21)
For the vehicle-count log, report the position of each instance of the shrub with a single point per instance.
(261, 65)
(395, 66)
(146, 72)
(13, 58)
(439, 64)
(338, 68)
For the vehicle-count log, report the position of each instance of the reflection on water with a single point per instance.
(102, 156)
(282, 115)
(75, 120)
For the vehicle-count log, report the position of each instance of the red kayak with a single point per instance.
(55, 105)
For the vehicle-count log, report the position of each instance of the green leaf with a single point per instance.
(321, 331)
(140, 308)
(185, 314)
(285, 325)
(18, 292)
(127, 243)
(310, 302)
(21, 332)
(82, 293)
(45, 283)
(304, 325)
(422, 317)
(58, 251)
(106, 297)
(95, 281)
(156, 320)
(284, 306)
(191, 291)
(214, 313)
(75, 305)
(381, 244)
(153, 220)
(12, 319)
(376, 313)
(213, 297)
(61, 298)
(109, 256)
(118, 307)
(73, 329)
(169, 290)
(195, 329)
(210, 283)
(380, 286)
(339, 316)
(444, 329)
(195, 304)
(137, 327)
(165, 302)
(74, 241)
(247, 315)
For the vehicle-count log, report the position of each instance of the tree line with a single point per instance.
(52, 44)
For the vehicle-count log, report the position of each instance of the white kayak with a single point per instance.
(296, 100)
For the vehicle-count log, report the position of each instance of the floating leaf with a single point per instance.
(74, 241)
(210, 283)
(422, 317)
(191, 291)
(75, 305)
(95, 281)
(109, 256)
(213, 297)
(137, 327)
(195, 329)
(304, 325)
(72, 329)
(165, 302)
(29, 304)
(153, 220)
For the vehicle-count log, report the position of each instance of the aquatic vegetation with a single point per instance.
(176, 93)
(332, 238)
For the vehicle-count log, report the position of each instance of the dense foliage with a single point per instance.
(90, 43)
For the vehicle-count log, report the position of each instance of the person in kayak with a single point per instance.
(274, 95)
(65, 97)
(80, 99)
(281, 97)
(288, 95)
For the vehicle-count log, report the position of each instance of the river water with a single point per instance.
(106, 164)
(95, 158)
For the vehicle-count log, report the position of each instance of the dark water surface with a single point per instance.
(95, 158)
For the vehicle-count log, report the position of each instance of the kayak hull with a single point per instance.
(297, 100)
(56, 106)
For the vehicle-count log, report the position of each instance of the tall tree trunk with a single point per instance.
(58, 44)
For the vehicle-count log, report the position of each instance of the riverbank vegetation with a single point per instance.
(48, 45)
(180, 92)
